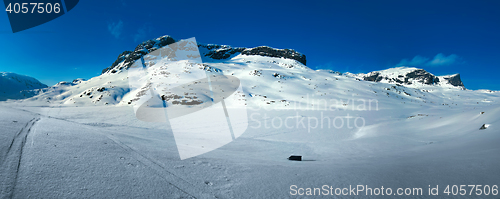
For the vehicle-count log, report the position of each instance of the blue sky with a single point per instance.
(443, 37)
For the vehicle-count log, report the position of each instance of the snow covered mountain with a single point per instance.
(15, 86)
(411, 77)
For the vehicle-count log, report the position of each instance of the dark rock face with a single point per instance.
(373, 77)
(220, 51)
(422, 75)
(271, 52)
(455, 80)
(224, 52)
(129, 57)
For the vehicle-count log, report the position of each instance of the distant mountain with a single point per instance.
(15, 86)
(411, 77)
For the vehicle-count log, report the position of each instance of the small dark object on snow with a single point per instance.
(483, 127)
(295, 157)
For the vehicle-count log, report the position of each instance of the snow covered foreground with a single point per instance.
(102, 152)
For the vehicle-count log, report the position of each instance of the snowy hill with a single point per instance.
(15, 86)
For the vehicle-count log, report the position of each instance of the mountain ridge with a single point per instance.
(213, 51)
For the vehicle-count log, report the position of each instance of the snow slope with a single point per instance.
(106, 152)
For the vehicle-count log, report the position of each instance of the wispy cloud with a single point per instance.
(442, 60)
(123, 2)
(416, 61)
(438, 60)
(116, 28)
(142, 33)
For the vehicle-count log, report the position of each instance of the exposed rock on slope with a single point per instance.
(272, 52)
(421, 76)
(455, 80)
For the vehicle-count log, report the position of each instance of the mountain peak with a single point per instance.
(212, 51)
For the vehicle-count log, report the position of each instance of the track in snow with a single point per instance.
(12, 160)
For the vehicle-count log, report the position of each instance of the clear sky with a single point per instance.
(442, 37)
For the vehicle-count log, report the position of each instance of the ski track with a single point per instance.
(181, 184)
(12, 161)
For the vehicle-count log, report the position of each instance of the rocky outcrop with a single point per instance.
(272, 52)
(220, 51)
(422, 76)
(373, 77)
(224, 52)
(410, 76)
(455, 80)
